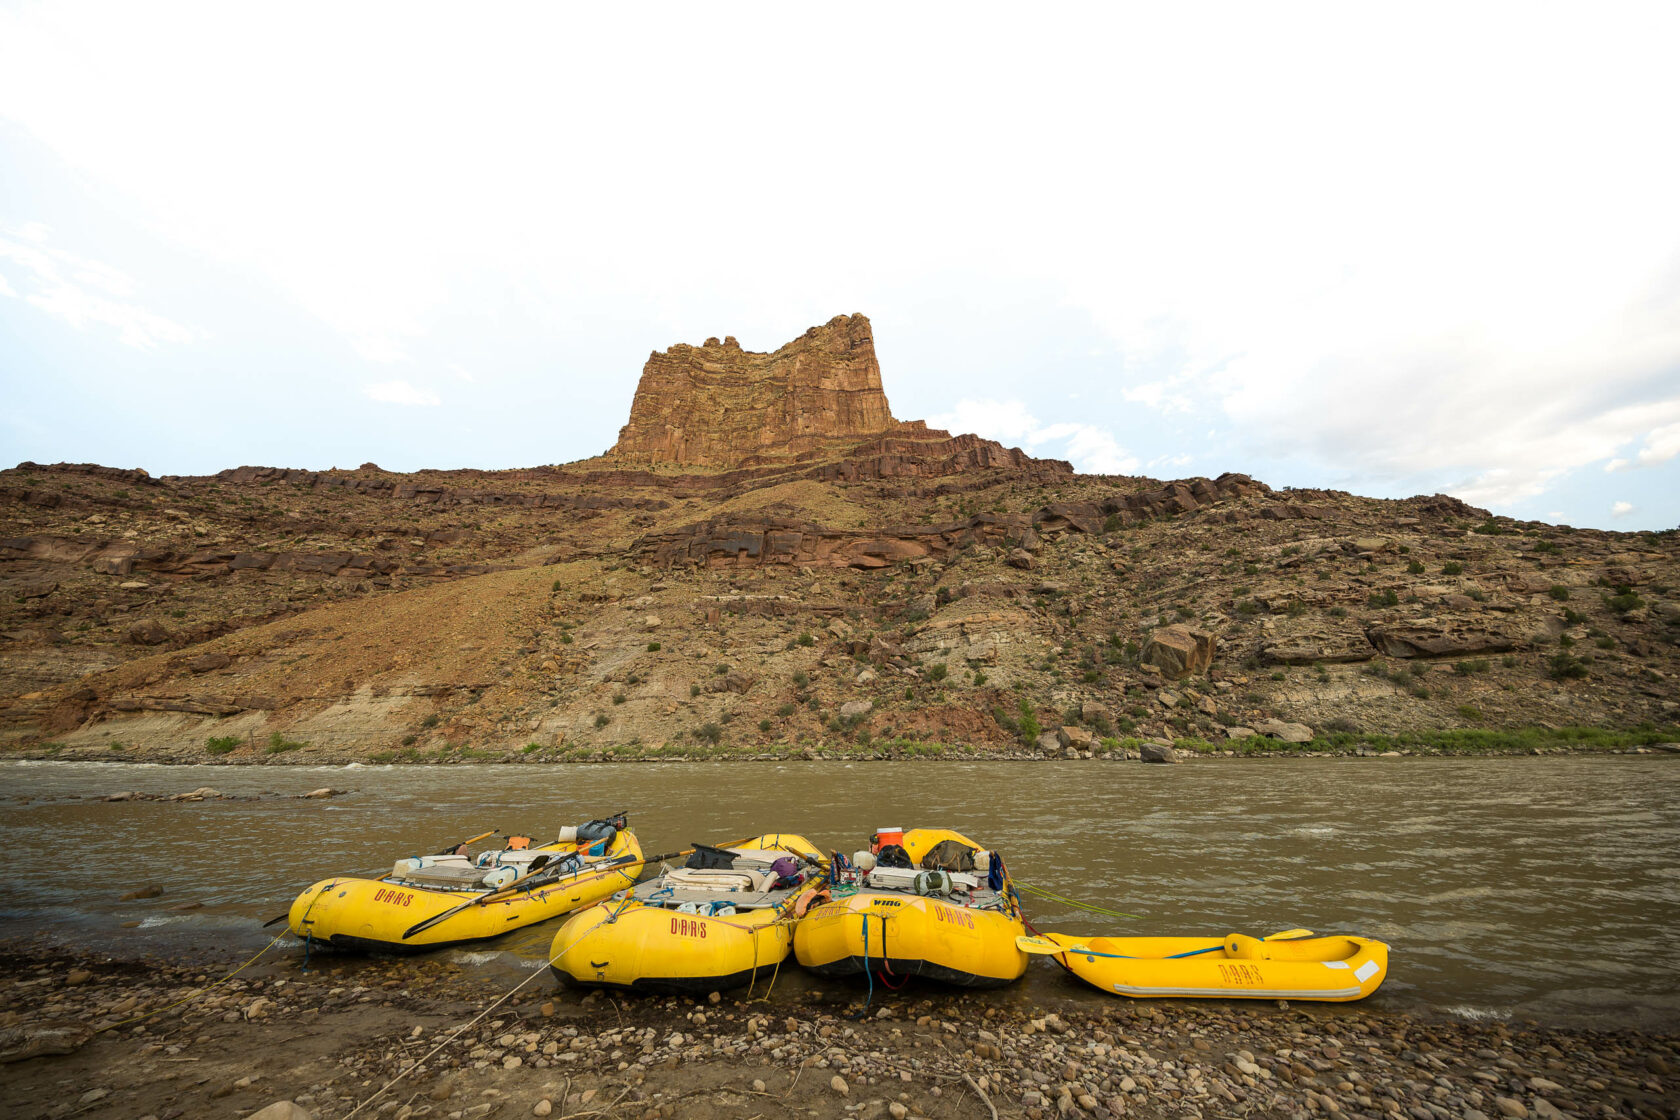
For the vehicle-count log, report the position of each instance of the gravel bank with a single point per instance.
(329, 1037)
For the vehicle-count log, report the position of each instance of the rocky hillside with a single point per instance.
(716, 593)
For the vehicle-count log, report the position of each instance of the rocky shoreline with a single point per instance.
(1153, 752)
(77, 1040)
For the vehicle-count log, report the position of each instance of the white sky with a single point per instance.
(1425, 248)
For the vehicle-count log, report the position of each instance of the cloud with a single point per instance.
(1620, 509)
(400, 392)
(1091, 450)
(83, 293)
(1661, 445)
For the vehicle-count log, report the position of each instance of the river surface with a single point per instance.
(1544, 888)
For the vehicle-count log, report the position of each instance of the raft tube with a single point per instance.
(641, 943)
(373, 914)
(896, 933)
(1333, 969)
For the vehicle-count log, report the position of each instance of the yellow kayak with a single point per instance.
(483, 895)
(1291, 965)
(723, 920)
(938, 922)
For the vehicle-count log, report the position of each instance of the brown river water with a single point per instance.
(1543, 888)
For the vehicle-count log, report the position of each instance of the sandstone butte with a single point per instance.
(719, 406)
(767, 552)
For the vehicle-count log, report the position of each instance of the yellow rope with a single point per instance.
(201, 991)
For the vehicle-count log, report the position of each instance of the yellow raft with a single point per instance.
(894, 923)
(483, 896)
(716, 924)
(1290, 965)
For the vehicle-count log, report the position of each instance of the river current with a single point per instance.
(1543, 888)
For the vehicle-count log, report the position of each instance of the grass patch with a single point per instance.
(279, 744)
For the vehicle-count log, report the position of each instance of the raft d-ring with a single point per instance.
(812, 897)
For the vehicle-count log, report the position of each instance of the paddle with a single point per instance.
(451, 848)
(1290, 935)
(1043, 946)
(428, 923)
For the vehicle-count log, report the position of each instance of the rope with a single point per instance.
(456, 1033)
(201, 991)
(1088, 907)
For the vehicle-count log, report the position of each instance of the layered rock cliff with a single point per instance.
(717, 405)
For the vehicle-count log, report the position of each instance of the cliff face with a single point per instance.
(718, 405)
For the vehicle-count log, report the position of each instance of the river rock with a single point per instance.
(542, 1107)
(151, 890)
(282, 1110)
(1510, 1106)
(838, 1084)
(33, 1040)
(77, 977)
(202, 793)
(1074, 737)
(1048, 741)
(1288, 732)
(1158, 752)
(324, 791)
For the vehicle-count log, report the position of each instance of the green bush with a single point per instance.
(222, 744)
(785, 710)
(618, 698)
(429, 722)
(937, 671)
(801, 678)
(653, 647)
(602, 720)
(709, 733)
(764, 725)
(1625, 602)
(1452, 568)
(1564, 666)
(694, 690)
(279, 744)
(1383, 599)
(1465, 668)
(1469, 712)
(1414, 567)
(1559, 592)
(806, 640)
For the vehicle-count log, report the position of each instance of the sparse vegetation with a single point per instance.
(222, 744)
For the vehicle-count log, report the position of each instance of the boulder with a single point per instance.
(282, 1110)
(1048, 741)
(147, 632)
(1158, 752)
(1020, 558)
(207, 662)
(1091, 710)
(1178, 651)
(856, 709)
(1288, 732)
(1076, 737)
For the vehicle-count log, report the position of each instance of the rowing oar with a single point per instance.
(427, 923)
(451, 848)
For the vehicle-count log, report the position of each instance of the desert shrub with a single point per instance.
(1559, 592)
(279, 744)
(653, 647)
(801, 678)
(1624, 602)
(618, 698)
(694, 690)
(1452, 568)
(785, 710)
(1414, 567)
(429, 722)
(806, 639)
(937, 671)
(1383, 599)
(602, 720)
(1469, 712)
(1563, 666)
(709, 733)
(222, 744)
(1465, 668)
(764, 725)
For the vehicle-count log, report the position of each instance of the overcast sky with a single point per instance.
(1393, 250)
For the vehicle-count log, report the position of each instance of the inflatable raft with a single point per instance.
(428, 902)
(1292, 965)
(723, 920)
(951, 915)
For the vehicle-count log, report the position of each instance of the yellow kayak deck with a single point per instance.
(690, 931)
(373, 914)
(1335, 969)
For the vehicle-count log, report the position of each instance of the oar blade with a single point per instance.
(1290, 935)
(1042, 946)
